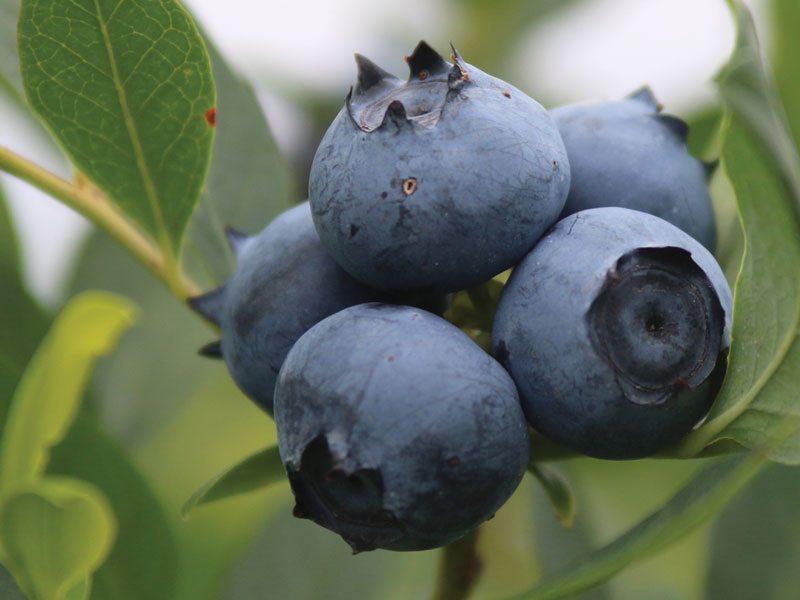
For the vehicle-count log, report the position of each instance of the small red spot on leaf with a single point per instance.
(211, 116)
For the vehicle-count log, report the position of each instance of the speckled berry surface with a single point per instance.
(396, 430)
(437, 182)
(615, 329)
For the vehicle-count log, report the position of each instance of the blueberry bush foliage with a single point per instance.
(103, 462)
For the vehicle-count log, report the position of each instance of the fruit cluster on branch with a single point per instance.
(610, 337)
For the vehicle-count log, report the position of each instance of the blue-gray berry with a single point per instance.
(625, 153)
(439, 182)
(396, 430)
(615, 329)
(284, 283)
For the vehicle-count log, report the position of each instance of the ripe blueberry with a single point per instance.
(438, 182)
(615, 329)
(284, 283)
(396, 430)
(624, 153)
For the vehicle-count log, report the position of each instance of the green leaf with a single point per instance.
(144, 560)
(755, 544)
(9, 251)
(256, 472)
(558, 492)
(125, 86)
(249, 181)
(786, 15)
(56, 533)
(10, 77)
(762, 163)
(50, 392)
(698, 501)
(140, 386)
(25, 322)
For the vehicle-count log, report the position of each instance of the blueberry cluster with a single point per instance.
(396, 429)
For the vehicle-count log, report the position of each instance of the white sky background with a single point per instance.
(598, 49)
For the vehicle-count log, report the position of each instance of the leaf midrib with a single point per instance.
(142, 166)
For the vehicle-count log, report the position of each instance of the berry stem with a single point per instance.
(90, 202)
(459, 568)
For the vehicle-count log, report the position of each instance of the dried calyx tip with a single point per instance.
(645, 94)
(676, 125)
(370, 74)
(236, 239)
(209, 305)
(458, 63)
(425, 61)
(710, 167)
(211, 350)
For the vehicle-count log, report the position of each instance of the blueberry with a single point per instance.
(438, 182)
(396, 430)
(284, 283)
(624, 153)
(615, 329)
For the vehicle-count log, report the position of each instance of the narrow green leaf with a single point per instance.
(758, 154)
(144, 561)
(558, 491)
(49, 394)
(693, 505)
(256, 472)
(249, 182)
(125, 87)
(55, 533)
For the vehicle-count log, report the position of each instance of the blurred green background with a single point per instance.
(160, 420)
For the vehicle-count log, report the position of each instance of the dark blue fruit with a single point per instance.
(625, 153)
(439, 182)
(284, 283)
(396, 430)
(615, 329)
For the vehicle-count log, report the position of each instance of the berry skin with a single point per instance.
(624, 153)
(615, 329)
(396, 430)
(439, 182)
(284, 283)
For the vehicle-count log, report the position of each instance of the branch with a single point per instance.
(93, 204)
